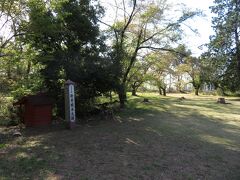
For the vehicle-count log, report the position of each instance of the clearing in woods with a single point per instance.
(165, 138)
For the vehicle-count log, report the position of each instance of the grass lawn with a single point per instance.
(167, 138)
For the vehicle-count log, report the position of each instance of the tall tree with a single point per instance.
(66, 36)
(195, 70)
(224, 47)
(178, 64)
(144, 26)
(16, 59)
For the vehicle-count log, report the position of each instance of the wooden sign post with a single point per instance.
(70, 104)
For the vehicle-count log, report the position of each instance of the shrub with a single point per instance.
(8, 113)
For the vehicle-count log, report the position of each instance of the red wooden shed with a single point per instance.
(37, 110)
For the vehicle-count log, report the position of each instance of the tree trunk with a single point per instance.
(164, 91)
(178, 87)
(196, 91)
(160, 90)
(134, 91)
(237, 41)
(237, 50)
(110, 96)
(170, 83)
(122, 95)
(28, 69)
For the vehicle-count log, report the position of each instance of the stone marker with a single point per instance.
(70, 104)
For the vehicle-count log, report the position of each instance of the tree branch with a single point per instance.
(162, 49)
(9, 39)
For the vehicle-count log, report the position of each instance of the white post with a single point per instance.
(70, 104)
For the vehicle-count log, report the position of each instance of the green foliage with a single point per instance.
(139, 74)
(66, 36)
(11, 12)
(161, 67)
(195, 70)
(220, 92)
(56, 40)
(224, 48)
(8, 114)
(20, 74)
(145, 26)
(5, 85)
(2, 145)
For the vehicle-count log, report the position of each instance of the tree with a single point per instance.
(19, 75)
(160, 70)
(212, 71)
(224, 47)
(178, 65)
(139, 74)
(147, 26)
(184, 63)
(194, 69)
(11, 13)
(66, 36)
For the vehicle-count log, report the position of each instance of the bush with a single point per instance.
(20, 92)
(8, 113)
(214, 93)
(220, 92)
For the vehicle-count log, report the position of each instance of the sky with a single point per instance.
(202, 24)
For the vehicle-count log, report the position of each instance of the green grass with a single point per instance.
(167, 138)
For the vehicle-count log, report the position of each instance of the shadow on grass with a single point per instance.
(162, 139)
(234, 99)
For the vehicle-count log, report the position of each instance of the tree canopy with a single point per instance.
(43, 43)
(143, 27)
(224, 47)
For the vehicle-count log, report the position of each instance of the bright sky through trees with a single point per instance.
(202, 24)
(192, 40)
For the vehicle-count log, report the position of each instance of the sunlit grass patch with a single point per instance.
(230, 144)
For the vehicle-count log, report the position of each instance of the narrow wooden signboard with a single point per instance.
(70, 104)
